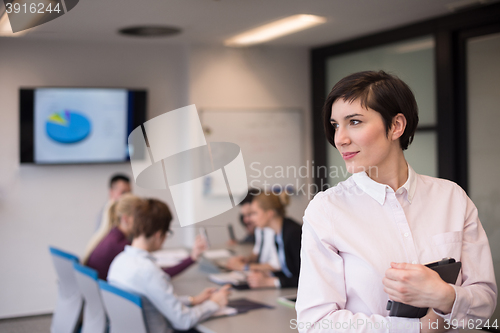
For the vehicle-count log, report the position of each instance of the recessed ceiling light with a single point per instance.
(275, 30)
(150, 31)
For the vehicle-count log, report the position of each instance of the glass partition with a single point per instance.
(483, 123)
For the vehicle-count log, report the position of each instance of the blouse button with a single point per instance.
(406, 234)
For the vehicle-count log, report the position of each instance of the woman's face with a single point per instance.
(259, 216)
(360, 136)
(127, 224)
(246, 214)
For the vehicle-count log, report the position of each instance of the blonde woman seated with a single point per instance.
(104, 247)
(264, 255)
(268, 211)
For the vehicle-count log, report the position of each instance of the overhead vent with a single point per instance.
(150, 31)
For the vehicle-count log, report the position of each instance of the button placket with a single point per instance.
(403, 227)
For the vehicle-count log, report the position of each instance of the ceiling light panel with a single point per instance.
(276, 29)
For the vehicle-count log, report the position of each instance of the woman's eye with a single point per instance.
(335, 125)
(355, 122)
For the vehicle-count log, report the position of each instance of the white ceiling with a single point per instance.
(212, 21)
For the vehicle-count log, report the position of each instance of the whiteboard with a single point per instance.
(271, 141)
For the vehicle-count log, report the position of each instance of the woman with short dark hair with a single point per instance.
(364, 241)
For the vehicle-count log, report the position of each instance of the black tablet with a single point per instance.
(447, 268)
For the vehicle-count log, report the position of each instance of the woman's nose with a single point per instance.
(341, 137)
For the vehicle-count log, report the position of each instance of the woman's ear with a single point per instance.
(398, 126)
(130, 221)
(271, 213)
(155, 241)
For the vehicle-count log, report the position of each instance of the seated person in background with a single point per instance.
(101, 251)
(135, 270)
(245, 220)
(121, 219)
(264, 255)
(119, 184)
(268, 210)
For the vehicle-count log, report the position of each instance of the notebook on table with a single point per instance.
(237, 279)
(240, 305)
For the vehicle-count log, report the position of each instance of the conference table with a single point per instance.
(194, 279)
(276, 320)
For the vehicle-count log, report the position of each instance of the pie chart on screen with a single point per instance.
(67, 126)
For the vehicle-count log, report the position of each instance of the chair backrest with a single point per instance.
(69, 300)
(124, 309)
(94, 315)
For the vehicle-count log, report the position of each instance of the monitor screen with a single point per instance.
(78, 125)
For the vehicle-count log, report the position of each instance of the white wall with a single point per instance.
(57, 205)
(246, 78)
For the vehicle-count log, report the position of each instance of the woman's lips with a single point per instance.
(347, 156)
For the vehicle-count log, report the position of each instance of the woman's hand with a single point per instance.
(432, 323)
(260, 279)
(203, 296)
(418, 286)
(262, 267)
(220, 296)
(200, 245)
(236, 263)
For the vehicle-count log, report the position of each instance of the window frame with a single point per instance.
(448, 32)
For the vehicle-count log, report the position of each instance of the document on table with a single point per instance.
(288, 300)
(234, 278)
(217, 254)
(169, 257)
(225, 311)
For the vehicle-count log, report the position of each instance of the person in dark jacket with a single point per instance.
(268, 210)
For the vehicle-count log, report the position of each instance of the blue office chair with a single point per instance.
(69, 300)
(124, 309)
(94, 315)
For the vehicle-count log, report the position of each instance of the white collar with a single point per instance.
(377, 190)
(139, 252)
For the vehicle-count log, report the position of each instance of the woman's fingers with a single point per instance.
(210, 290)
(391, 284)
(254, 278)
(402, 271)
(415, 285)
(226, 289)
(199, 246)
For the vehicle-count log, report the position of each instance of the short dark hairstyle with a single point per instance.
(151, 217)
(385, 93)
(117, 177)
(252, 192)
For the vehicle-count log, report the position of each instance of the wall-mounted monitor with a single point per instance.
(78, 125)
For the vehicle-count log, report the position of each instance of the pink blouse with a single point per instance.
(352, 232)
